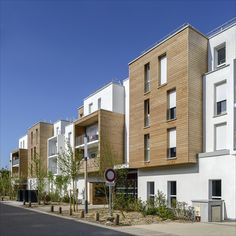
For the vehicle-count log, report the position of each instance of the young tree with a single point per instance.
(69, 164)
(50, 181)
(5, 182)
(40, 173)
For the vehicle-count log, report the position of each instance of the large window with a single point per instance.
(150, 191)
(215, 189)
(220, 55)
(163, 69)
(171, 111)
(220, 97)
(172, 193)
(147, 78)
(172, 143)
(146, 113)
(146, 147)
(220, 136)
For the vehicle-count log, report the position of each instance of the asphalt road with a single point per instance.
(20, 222)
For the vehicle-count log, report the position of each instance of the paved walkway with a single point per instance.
(163, 229)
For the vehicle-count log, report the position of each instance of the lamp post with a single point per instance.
(85, 175)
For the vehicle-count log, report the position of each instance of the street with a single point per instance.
(21, 222)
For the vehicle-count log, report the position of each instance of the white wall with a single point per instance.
(126, 152)
(228, 37)
(118, 99)
(193, 182)
(23, 142)
(214, 76)
(61, 126)
(69, 129)
(112, 99)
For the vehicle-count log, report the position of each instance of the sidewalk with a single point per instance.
(161, 229)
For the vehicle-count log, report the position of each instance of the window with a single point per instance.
(220, 136)
(150, 191)
(215, 189)
(220, 98)
(220, 53)
(172, 143)
(57, 131)
(31, 138)
(171, 112)
(163, 69)
(90, 107)
(35, 153)
(146, 147)
(99, 103)
(37, 133)
(172, 193)
(146, 113)
(147, 78)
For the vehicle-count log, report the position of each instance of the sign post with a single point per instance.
(110, 176)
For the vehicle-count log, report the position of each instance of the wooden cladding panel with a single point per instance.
(177, 50)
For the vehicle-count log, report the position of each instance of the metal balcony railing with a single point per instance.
(79, 140)
(147, 120)
(15, 162)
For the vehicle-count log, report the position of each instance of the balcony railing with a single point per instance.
(15, 162)
(79, 140)
(53, 151)
(147, 120)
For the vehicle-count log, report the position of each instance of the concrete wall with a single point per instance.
(193, 182)
(126, 132)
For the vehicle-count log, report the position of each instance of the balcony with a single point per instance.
(79, 140)
(15, 162)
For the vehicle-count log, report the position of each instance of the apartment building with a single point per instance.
(182, 128)
(57, 144)
(217, 163)
(101, 120)
(38, 136)
(19, 162)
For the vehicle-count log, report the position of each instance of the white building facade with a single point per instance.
(58, 143)
(214, 176)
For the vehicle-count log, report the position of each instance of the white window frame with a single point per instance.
(172, 146)
(215, 106)
(170, 196)
(90, 108)
(147, 78)
(162, 75)
(150, 195)
(147, 113)
(169, 95)
(147, 148)
(215, 134)
(216, 49)
(211, 192)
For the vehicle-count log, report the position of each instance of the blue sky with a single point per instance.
(55, 53)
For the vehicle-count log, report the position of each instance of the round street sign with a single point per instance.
(110, 175)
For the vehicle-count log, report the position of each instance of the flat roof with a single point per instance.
(165, 38)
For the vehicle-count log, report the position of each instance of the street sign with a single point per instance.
(110, 175)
